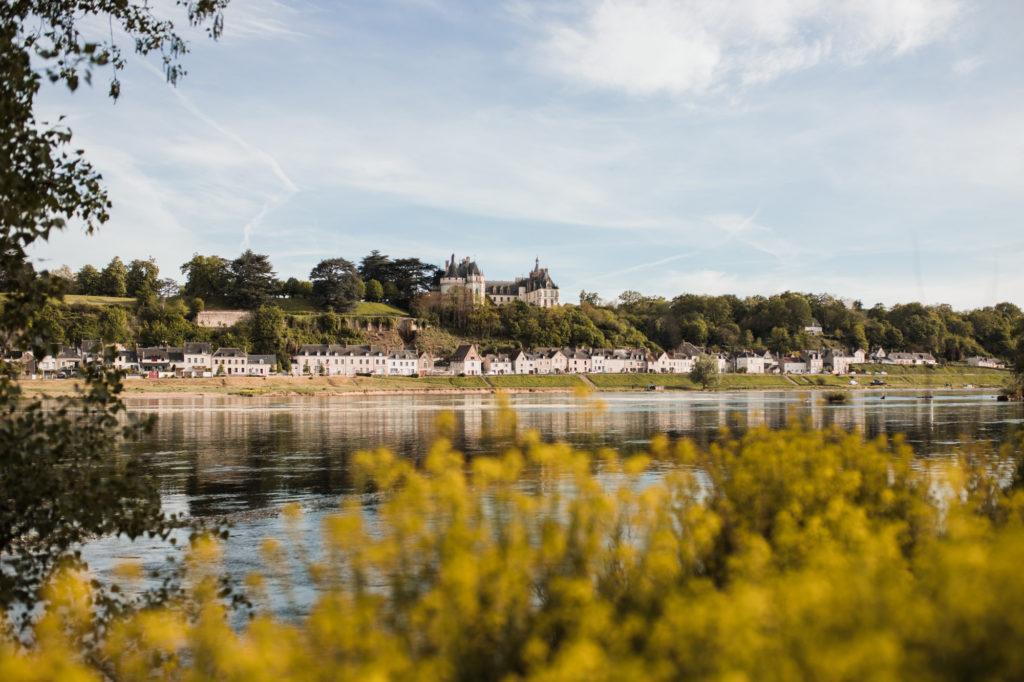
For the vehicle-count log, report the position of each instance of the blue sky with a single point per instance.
(869, 149)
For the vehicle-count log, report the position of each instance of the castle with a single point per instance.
(537, 288)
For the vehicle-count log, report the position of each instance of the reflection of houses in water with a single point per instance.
(228, 454)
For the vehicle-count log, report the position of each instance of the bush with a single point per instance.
(793, 554)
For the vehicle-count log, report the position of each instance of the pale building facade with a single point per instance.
(260, 365)
(537, 288)
(467, 361)
(497, 364)
(229, 361)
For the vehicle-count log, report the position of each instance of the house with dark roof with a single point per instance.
(497, 364)
(467, 361)
(230, 361)
(198, 357)
(260, 365)
(403, 363)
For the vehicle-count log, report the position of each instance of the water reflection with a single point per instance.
(222, 455)
(245, 457)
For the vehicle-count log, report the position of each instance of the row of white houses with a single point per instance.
(191, 360)
(201, 359)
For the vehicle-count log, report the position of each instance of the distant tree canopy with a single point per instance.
(402, 279)
(114, 279)
(528, 325)
(778, 323)
(87, 281)
(251, 282)
(336, 284)
(142, 276)
(206, 277)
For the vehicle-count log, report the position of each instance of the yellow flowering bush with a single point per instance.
(793, 554)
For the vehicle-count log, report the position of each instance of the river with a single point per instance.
(244, 458)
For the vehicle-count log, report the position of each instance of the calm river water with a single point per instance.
(246, 457)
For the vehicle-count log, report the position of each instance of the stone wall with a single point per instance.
(220, 318)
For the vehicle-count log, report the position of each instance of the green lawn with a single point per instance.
(823, 380)
(303, 306)
(765, 381)
(75, 299)
(641, 380)
(398, 383)
(919, 370)
(535, 381)
(370, 309)
(955, 376)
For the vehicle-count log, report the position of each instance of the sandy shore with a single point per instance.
(287, 386)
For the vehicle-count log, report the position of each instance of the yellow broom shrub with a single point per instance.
(793, 554)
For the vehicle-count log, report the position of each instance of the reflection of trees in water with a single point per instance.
(230, 454)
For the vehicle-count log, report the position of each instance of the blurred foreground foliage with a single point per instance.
(771, 555)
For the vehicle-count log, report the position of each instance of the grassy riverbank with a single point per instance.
(904, 377)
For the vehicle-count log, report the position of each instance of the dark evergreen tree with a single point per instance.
(336, 284)
(252, 280)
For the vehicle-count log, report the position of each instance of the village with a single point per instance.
(200, 359)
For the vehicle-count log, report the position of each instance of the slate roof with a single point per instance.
(463, 268)
(465, 351)
(262, 359)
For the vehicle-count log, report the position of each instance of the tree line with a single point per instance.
(249, 281)
(779, 323)
(528, 326)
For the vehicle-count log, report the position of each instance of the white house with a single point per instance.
(160, 359)
(68, 359)
(749, 363)
(670, 363)
(198, 357)
(47, 365)
(230, 361)
(260, 365)
(467, 361)
(598, 361)
(815, 361)
(626, 360)
(910, 359)
(838, 361)
(497, 364)
(814, 328)
(403, 363)
(792, 365)
(980, 361)
(425, 364)
(523, 363)
(578, 361)
(317, 359)
(547, 361)
(126, 361)
(366, 360)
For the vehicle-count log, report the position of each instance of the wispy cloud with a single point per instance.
(645, 47)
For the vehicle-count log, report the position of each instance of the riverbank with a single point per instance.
(898, 378)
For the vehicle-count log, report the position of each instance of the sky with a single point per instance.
(870, 149)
